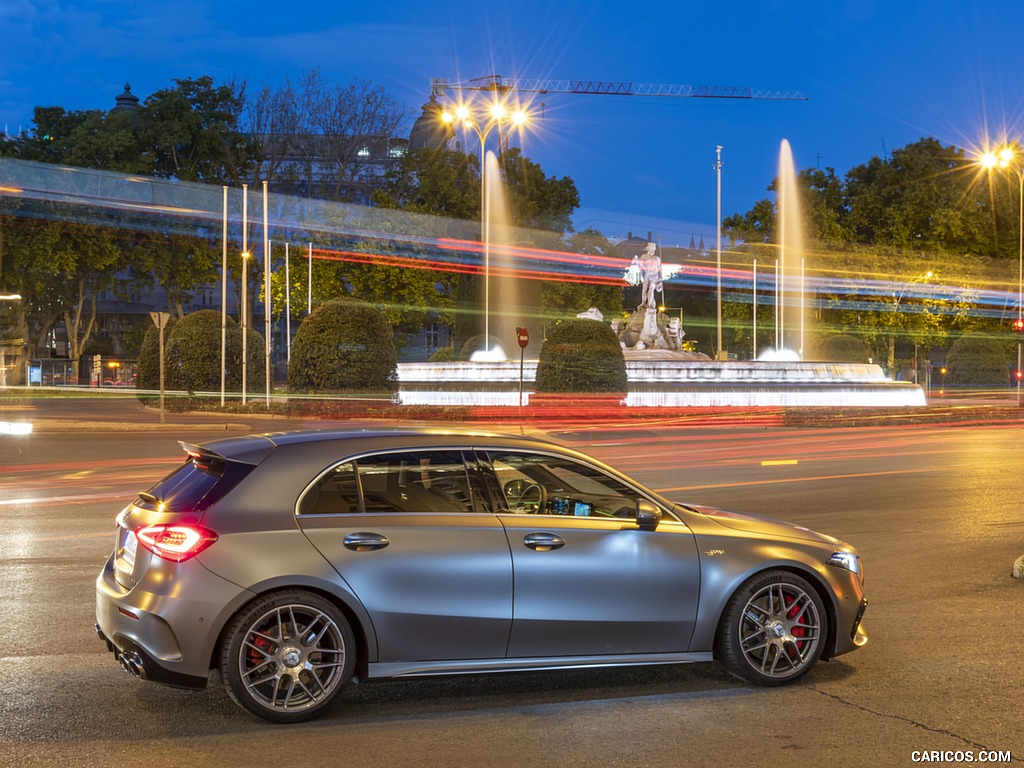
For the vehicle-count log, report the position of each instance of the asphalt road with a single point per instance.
(935, 512)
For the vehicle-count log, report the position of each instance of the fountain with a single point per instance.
(660, 374)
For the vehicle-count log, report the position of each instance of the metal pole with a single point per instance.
(777, 306)
(803, 307)
(309, 282)
(753, 339)
(1020, 273)
(718, 269)
(266, 297)
(287, 307)
(224, 299)
(485, 212)
(245, 286)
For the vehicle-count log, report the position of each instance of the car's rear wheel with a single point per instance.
(287, 655)
(773, 630)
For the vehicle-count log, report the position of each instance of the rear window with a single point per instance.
(195, 485)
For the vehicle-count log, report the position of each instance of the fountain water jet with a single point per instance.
(791, 258)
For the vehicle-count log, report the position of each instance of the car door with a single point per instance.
(402, 529)
(587, 580)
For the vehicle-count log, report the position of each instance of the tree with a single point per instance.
(191, 133)
(434, 181)
(919, 198)
(537, 201)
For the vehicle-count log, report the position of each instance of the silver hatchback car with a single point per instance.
(294, 563)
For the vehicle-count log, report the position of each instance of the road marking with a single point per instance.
(777, 462)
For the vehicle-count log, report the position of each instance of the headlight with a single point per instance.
(848, 561)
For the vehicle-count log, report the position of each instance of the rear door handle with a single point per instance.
(543, 542)
(366, 542)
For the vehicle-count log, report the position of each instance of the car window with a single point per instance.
(336, 493)
(195, 485)
(415, 481)
(554, 485)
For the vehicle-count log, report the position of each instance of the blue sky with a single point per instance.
(877, 76)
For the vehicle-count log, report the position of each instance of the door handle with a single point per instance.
(366, 542)
(543, 542)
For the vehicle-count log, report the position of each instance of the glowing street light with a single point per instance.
(1006, 158)
(496, 114)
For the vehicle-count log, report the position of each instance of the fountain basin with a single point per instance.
(672, 383)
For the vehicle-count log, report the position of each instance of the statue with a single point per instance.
(649, 264)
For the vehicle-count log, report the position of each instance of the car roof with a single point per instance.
(252, 449)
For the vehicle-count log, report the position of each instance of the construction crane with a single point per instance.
(440, 86)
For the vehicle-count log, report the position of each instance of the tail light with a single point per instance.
(175, 542)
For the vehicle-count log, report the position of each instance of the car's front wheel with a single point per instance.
(287, 655)
(773, 629)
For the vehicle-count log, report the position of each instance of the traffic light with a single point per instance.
(1018, 325)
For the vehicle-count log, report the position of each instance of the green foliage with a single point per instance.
(148, 367)
(581, 356)
(192, 356)
(843, 348)
(192, 133)
(977, 361)
(435, 181)
(537, 200)
(343, 346)
(443, 355)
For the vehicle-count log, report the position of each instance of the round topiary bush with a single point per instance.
(975, 361)
(581, 356)
(843, 348)
(443, 355)
(192, 355)
(345, 345)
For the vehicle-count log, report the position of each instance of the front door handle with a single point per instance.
(366, 542)
(543, 542)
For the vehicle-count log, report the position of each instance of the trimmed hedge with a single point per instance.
(344, 345)
(581, 355)
(975, 361)
(192, 356)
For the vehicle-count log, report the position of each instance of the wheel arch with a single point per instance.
(809, 575)
(351, 609)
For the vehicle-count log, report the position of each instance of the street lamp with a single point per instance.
(496, 114)
(1007, 158)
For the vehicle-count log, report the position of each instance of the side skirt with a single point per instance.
(484, 666)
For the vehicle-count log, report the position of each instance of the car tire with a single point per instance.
(773, 630)
(287, 655)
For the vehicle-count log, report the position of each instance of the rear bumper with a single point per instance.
(137, 661)
(154, 632)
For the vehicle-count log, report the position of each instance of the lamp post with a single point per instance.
(245, 286)
(1007, 158)
(718, 268)
(497, 113)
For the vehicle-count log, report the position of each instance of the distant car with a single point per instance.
(295, 562)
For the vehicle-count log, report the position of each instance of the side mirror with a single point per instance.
(648, 515)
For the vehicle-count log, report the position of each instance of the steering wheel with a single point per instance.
(532, 495)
